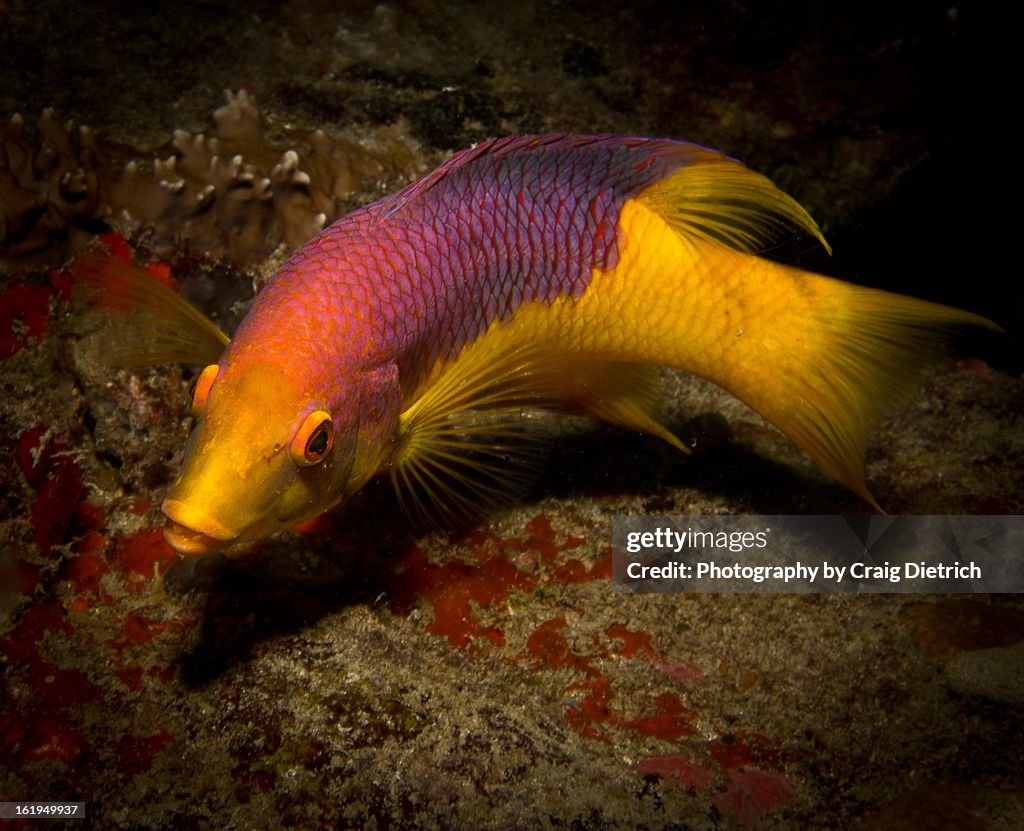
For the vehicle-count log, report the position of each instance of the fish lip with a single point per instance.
(189, 531)
(188, 541)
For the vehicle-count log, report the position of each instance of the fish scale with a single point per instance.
(500, 240)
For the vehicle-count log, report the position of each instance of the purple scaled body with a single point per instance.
(419, 274)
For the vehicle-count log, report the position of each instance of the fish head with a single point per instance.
(263, 456)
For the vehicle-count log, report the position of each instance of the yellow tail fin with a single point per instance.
(832, 370)
(817, 357)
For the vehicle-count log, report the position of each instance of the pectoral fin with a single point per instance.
(468, 444)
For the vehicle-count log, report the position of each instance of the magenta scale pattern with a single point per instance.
(419, 274)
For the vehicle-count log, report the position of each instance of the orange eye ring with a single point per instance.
(199, 389)
(314, 439)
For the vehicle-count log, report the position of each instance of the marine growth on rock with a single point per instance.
(234, 192)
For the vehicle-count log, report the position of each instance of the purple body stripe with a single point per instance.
(419, 274)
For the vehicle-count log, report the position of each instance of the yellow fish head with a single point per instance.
(263, 456)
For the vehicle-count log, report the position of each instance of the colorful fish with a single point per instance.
(551, 271)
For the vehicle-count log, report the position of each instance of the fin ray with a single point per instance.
(627, 394)
(141, 321)
(718, 199)
(466, 443)
(876, 346)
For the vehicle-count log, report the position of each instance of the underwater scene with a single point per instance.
(341, 556)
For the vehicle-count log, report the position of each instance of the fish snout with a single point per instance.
(190, 531)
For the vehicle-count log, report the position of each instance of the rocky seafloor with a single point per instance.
(365, 674)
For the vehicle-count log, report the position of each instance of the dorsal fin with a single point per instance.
(700, 192)
(718, 199)
(141, 321)
(490, 147)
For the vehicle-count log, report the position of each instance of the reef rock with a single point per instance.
(236, 192)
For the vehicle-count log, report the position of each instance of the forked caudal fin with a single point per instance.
(860, 353)
(819, 358)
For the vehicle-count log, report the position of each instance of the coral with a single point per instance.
(233, 193)
(49, 189)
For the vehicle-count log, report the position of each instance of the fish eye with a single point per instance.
(199, 388)
(314, 439)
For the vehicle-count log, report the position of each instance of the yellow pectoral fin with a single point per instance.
(141, 322)
(467, 443)
(463, 445)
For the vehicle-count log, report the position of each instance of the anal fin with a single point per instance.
(627, 394)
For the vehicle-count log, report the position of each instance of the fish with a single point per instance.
(544, 272)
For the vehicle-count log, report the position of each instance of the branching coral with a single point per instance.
(234, 193)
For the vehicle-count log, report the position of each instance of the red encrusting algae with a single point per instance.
(22, 643)
(593, 711)
(494, 573)
(51, 737)
(453, 588)
(550, 649)
(750, 793)
(24, 309)
(51, 472)
(576, 571)
(142, 557)
(631, 643)
(670, 722)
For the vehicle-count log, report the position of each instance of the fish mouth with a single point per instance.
(191, 532)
